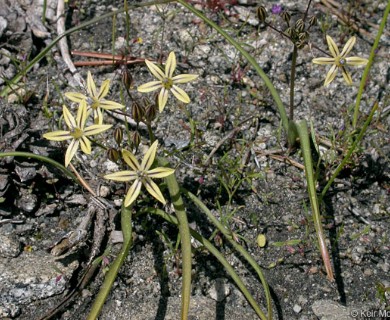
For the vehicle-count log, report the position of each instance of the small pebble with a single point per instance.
(297, 308)
(219, 291)
(104, 191)
(9, 246)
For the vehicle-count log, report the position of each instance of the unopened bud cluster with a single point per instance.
(297, 32)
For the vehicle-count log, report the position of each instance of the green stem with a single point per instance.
(292, 81)
(185, 239)
(127, 23)
(311, 182)
(251, 60)
(214, 251)
(369, 64)
(44, 11)
(45, 51)
(112, 273)
(40, 158)
(228, 235)
(350, 151)
(150, 131)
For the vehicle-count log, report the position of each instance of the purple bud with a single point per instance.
(276, 9)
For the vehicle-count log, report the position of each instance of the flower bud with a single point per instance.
(151, 109)
(286, 17)
(312, 21)
(300, 44)
(261, 14)
(137, 112)
(289, 32)
(127, 78)
(303, 36)
(150, 112)
(113, 154)
(118, 136)
(299, 25)
(136, 139)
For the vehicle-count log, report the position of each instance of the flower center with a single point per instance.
(340, 62)
(167, 83)
(76, 133)
(95, 103)
(141, 174)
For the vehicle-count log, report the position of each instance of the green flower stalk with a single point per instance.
(340, 60)
(77, 132)
(141, 175)
(167, 82)
(96, 99)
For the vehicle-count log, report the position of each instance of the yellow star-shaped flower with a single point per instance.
(77, 132)
(141, 175)
(96, 99)
(340, 60)
(167, 82)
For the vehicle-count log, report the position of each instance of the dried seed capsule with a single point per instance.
(299, 25)
(261, 14)
(118, 136)
(113, 154)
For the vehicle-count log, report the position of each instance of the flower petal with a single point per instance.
(75, 96)
(96, 129)
(97, 116)
(131, 160)
(347, 76)
(104, 89)
(180, 94)
(58, 135)
(85, 145)
(331, 75)
(160, 172)
(356, 61)
(110, 105)
(133, 193)
(348, 47)
(156, 71)
(91, 87)
(148, 159)
(162, 99)
(82, 114)
(69, 119)
(183, 78)
(150, 86)
(122, 176)
(71, 151)
(332, 47)
(323, 61)
(170, 66)
(154, 190)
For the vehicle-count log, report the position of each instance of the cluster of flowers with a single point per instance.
(141, 174)
(78, 133)
(95, 103)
